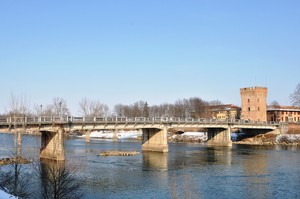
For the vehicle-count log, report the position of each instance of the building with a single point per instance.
(283, 114)
(226, 111)
(254, 103)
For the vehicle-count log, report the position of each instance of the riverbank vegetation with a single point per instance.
(26, 178)
(45, 179)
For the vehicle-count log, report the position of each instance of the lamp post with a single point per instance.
(60, 110)
(41, 112)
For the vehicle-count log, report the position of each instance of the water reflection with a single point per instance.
(293, 148)
(255, 174)
(155, 161)
(219, 155)
(58, 180)
(183, 185)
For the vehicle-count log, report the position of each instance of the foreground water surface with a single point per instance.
(187, 171)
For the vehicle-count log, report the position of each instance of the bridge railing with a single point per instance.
(70, 119)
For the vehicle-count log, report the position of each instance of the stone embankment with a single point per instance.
(272, 139)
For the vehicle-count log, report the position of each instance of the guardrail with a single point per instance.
(70, 119)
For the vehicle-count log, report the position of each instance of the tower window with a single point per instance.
(258, 108)
(248, 100)
(248, 108)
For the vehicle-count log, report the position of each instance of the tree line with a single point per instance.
(194, 107)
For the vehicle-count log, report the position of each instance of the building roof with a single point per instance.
(283, 108)
(222, 107)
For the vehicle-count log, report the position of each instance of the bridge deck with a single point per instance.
(137, 122)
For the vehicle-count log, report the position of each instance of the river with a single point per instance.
(187, 171)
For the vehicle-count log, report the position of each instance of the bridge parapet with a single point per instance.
(137, 120)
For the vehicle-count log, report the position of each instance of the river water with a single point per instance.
(187, 171)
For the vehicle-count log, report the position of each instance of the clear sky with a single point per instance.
(122, 51)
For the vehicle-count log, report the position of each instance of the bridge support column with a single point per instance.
(155, 140)
(88, 136)
(18, 143)
(219, 137)
(115, 134)
(53, 145)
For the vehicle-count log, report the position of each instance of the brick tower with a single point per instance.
(254, 103)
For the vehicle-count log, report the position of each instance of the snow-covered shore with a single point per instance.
(189, 137)
(271, 139)
(119, 135)
(185, 137)
(4, 195)
(288, 139)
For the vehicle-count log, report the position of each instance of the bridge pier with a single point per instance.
(53, 145)
(219, 137)
(115, 134)
(88, 136)
(18, 143)
(155, 140)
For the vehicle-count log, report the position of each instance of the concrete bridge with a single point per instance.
(154, 129)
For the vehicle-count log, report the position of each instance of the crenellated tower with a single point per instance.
(254, 103)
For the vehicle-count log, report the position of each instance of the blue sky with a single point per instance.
(157, 51)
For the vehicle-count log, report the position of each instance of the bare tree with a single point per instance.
(137, 109)
(58, 180)
(295, 96)
(192, 107)
(274, 104)
(181, 108)
(198, 107)
(48, 110)
(159, 110)
(215, 102)
(146, 110)
(93, 108)
(119, 110)
(38, 110)
(14, 179)
(58, 107)
(128, 110)
(18, 105)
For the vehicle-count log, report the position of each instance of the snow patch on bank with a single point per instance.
(201, 134)
(288, 139)
(189, 137)
(4, 195)
(119, 135)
